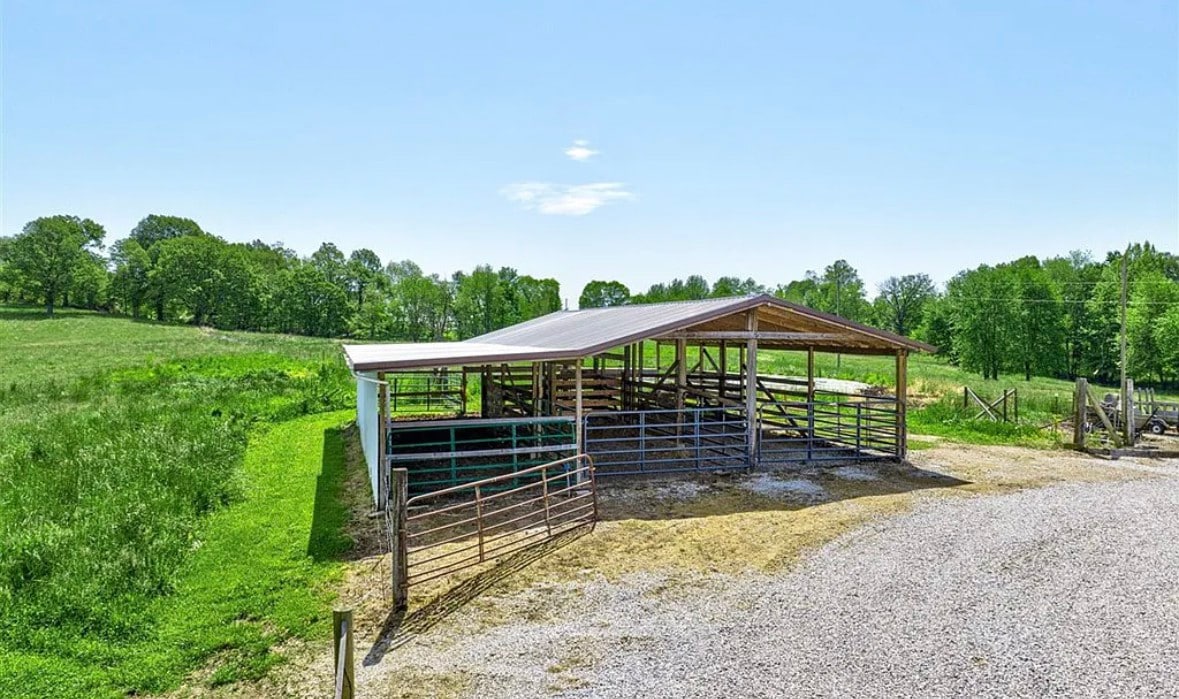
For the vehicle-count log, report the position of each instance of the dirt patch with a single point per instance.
(679, 530)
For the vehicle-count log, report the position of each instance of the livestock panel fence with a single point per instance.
(440, 533)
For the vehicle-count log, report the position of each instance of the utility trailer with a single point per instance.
(1153, 415)
(1150, 414)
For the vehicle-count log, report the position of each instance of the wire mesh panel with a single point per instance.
(439, 391)
(667, 441)
(457, 528)
(795, 431)
(445, 453)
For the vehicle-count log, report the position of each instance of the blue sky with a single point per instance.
(634, 141)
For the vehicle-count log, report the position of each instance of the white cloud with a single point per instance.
(580, 151)
(565, 199)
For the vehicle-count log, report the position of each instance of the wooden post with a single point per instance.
(1128, 410)
(902, 372)
(1080, 414)
(397, 537)
(681, 372)
(751, 385)
(345, 676)
(724, 368)
(810, 401)
(578, 413)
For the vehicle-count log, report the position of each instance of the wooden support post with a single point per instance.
(724, 368)
(1081, 414)
(681, 372)
(902, 403)
(810, 403)
(397, 537)
(1128, 411)
(751, 386)
(345, 675)
(578, 413)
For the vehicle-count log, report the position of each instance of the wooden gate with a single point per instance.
(440, 533)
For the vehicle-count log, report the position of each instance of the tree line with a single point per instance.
(169, 269)
(1055, 317)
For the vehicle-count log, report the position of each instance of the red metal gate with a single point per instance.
(440, 533)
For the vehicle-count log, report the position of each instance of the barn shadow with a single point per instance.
(340, 527)
(769, 488)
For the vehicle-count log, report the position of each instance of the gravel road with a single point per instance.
(1065, 591)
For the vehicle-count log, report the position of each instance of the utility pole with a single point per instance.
(1124, 405)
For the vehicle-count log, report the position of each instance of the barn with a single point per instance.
(642, 389)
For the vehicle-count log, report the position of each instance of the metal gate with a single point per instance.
(440, 533)
(802, 431)
(667, 441)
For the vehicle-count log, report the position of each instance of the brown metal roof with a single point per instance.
(574, 334)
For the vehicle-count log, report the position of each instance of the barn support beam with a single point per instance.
(902, 397)
(751, 420)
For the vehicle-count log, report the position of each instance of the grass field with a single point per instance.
(157, 487)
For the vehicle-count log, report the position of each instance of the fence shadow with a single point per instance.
(400, 628)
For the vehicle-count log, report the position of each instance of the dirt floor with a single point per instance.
(678, 532)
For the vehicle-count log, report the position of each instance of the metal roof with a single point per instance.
(574, 334)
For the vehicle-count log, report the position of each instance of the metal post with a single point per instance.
(342, 633)
(399, 494)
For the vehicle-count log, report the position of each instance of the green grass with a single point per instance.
(157, 488)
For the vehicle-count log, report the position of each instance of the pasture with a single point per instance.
(170, 496)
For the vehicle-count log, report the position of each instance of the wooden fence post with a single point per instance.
(345, 675)
(1080, 414)
(399, 488)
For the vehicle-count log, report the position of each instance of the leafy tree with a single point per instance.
(1166, 340)
(1153, 296)
(1075, 276)
(901, 302)
(190, 274)
(50, 252)
(984, 313)
(311, 304)
(332, 264)
(599, 294)
(937, 326)
(1038, 339)
(479, 305)
(363, 272)
(804, 292)
(131, 284)
(152, 230)
(536, 297)
(733, 286)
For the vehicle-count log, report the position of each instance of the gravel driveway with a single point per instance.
(1065, 591)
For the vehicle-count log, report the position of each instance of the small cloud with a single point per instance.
(565, 199)
(580, 151)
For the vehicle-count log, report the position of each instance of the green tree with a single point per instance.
(600, 294)
(50, 252)
(984, 313)
(1038, 343)
(901, 302)
(363, 272)
(131, 284)
(1166, 340)
(733, 286)
(152, 230)
(479, 304)
(1152, 297)
(189, 274)
(311, 304)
